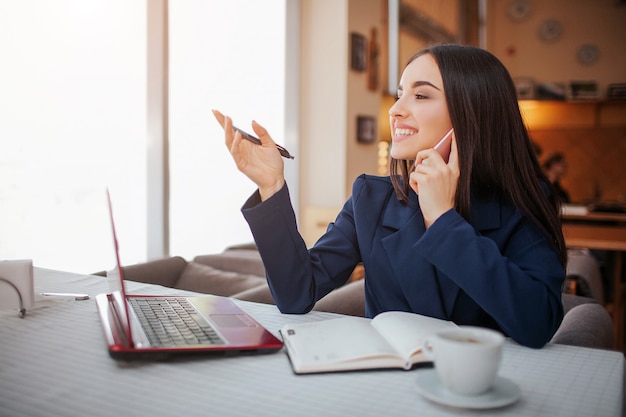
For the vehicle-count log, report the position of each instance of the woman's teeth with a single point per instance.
(404, 132)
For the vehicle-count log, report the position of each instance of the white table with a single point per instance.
(54, 362)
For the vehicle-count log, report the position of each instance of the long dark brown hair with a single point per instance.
(495, 151)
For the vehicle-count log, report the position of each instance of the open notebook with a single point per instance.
(156, 327)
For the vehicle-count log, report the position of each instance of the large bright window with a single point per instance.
(230, 56)
(73, 105)
(72, 122)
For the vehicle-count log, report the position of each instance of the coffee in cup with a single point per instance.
(466, 358)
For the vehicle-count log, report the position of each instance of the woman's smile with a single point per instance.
(402, 132)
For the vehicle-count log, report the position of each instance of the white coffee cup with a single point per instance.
(466, 358)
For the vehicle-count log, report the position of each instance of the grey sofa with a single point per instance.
(238, 272)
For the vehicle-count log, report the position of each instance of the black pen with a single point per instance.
(283, 152)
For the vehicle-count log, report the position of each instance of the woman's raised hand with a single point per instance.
(436, 182)
(262, 164)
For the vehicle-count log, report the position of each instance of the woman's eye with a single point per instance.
(420, 96)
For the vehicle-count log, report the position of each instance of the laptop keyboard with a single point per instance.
(173, 322)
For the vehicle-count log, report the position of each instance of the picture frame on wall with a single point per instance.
(358, 52)
(366, 129)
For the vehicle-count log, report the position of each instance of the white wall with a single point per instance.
(331, 98)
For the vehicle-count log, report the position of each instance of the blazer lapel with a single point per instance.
(405, 226)
(398, 214)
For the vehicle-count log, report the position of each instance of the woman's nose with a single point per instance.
(396, 110)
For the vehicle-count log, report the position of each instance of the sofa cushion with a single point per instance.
(587, 325)
(244, 261)
(207, 279)
(161, 271)
(348, 299)
(260, 294)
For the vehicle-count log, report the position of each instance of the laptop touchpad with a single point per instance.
(232, 320)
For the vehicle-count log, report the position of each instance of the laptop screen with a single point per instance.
(116, 283)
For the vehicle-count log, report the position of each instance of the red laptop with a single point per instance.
(158, 327)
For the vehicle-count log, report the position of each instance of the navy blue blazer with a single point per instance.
(496, 271)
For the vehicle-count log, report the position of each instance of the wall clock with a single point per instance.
(550, 30)
(588, 54)
(518, 10)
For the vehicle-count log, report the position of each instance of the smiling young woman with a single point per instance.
(475, 239)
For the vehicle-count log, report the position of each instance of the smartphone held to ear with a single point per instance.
(444, 146)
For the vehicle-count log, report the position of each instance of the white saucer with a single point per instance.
(504, 392)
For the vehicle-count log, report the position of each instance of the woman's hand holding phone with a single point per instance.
(444, 146)
(262, 164)
(435, 178)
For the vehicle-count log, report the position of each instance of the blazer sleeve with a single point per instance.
(297, 277)
(519, 284)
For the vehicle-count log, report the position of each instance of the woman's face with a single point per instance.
(419, 118)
